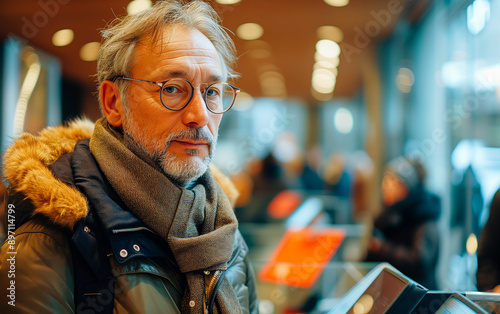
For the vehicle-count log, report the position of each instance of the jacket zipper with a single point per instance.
(212, 290)
(215, 284)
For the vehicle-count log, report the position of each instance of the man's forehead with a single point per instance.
(178, 48)
(178, 39)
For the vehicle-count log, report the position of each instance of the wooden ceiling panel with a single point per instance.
(289, 31)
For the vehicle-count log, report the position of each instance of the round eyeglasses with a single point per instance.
(176, 93)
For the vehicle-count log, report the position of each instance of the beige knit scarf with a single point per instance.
(198, 224)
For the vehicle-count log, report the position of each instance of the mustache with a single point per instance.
(199, 134)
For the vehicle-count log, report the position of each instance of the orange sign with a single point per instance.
(284, 203)
(301, 256)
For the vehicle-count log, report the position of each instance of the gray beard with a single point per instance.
(183, 173)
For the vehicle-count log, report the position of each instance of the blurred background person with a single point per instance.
(263, 180)
(405, 233)
(488, 254)
(336, 176)
(310, 178)
(363, 193)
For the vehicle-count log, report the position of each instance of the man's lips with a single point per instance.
(191, 143)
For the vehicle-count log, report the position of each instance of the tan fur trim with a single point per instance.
(226, 184)
(26, 169)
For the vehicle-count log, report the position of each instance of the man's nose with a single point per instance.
(196, 113)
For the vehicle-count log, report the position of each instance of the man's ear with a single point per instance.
(111, 103)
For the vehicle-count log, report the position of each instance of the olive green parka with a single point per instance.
(44, 217)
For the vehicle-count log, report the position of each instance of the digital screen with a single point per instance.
(455, 306)
(379, 296)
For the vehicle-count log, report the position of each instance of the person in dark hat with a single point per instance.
(406, 233)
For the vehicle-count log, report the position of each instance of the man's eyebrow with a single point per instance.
(183, 74)
(215, 78)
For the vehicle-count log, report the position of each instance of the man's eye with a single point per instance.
(212, 92)
(176, 86)
(171, 89)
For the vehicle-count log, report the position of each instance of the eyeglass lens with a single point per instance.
(176, 93)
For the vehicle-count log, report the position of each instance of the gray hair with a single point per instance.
(116, 54)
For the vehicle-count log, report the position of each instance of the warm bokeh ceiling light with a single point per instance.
(260, 54)
(257, 44)
(337, 3)
(137, 6)
(326, 62)
(250, 31)
(405, 80)
(343, 121)
(323, 81)
(324, 76)
(89, 51)
(63, 37)
(328, 48)
(471, 244)
(258, 49)
(325, 66)
(227, 1)
(330, 32)
(272, 84)
(320, 96)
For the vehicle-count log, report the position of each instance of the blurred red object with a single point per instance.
(284, 203)
(301, 256)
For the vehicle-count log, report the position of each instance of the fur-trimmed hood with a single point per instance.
(26, 169)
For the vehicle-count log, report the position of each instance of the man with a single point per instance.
(133, 220)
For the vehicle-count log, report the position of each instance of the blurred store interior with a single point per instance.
(332, 90)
